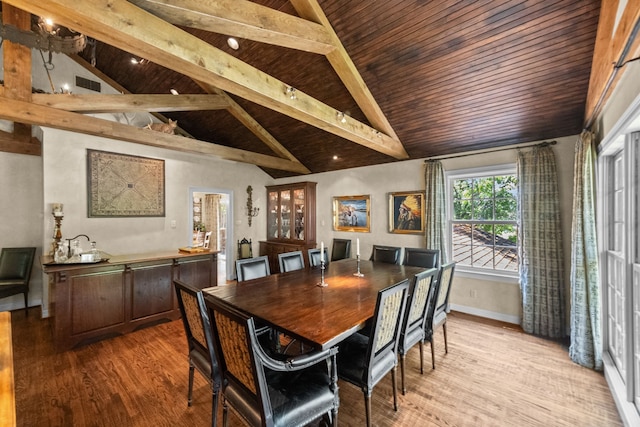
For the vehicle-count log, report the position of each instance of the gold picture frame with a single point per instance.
(352, 213)
(406, 212)
(121, 185)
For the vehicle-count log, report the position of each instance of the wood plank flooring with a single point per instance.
(493, 375)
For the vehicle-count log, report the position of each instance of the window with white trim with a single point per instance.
(482, 219)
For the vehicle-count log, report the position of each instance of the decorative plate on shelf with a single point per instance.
(196, 218)
(196, 208)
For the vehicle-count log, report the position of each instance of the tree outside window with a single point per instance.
(484, 231)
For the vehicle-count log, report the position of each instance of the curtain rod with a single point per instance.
(475, 153)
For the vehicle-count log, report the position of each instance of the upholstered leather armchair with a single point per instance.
(388, 254)
(252, 268)
(314, 257)
(421, 257)
(197, 326)
(269, 392)
(290, 261)
(420, 299)
(340, 249)
(15, 272)
(441, 307)
(364, 360)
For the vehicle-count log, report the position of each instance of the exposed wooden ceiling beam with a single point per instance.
(123, 25)
(245, 19)
(30, 113)
(250, 123)
(234, 109)
(346, 69)
(610, 51)
(117, 86)
(17, 81)
(128, 103)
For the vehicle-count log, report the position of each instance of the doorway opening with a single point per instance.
(210, 210)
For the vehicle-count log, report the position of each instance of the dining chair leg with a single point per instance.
(190, 393)
(225, 412)
(421, 346)
(26, 303)
(395, 391)
(444, 331)
(214, 408)
(433, 354)
(367, 407)
(334, 417)
(402, 360)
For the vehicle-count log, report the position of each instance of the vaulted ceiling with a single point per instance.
(372, 82)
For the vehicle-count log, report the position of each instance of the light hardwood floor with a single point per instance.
(493, 375)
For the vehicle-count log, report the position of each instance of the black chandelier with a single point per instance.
(45, 36)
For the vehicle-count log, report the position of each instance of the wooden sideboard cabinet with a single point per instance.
(94, 301)
(291, 220)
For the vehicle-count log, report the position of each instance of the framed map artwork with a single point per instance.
(120, 185)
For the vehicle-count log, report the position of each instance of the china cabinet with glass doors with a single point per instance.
(291, 220)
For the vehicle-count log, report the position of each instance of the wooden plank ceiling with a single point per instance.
(427, 78)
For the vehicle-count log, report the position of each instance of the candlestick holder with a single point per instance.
(357, 273)
(322, 267)
(57, 232)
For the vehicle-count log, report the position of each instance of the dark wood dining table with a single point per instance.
(319, 316)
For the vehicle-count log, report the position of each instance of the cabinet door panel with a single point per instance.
(200, 272)
(151, 290)
(97, 301)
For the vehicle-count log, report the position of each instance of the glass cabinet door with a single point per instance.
(298, 207)
(285, 214)
(272, 216)
(291, 214)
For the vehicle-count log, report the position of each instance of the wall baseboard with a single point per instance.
(486, 314)
(9, 306)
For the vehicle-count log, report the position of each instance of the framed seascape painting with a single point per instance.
(352, 213)
(406, 212)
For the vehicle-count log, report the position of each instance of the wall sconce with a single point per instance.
(250, 210)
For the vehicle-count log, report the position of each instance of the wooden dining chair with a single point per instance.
(245, 249)
(15, 272)
(388, 254)
(365, 358)
(340, 249)
(269, 392)
(290, 261)
(421, 257)
(441, 307)
(252, 268)
(314, 257)
(421, 296)
(198, 329)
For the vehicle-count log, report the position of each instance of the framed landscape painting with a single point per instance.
(352, 213)
(406, 212)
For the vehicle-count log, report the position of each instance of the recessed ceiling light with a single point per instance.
(335, 157)
(233, 43)
(174, 92)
